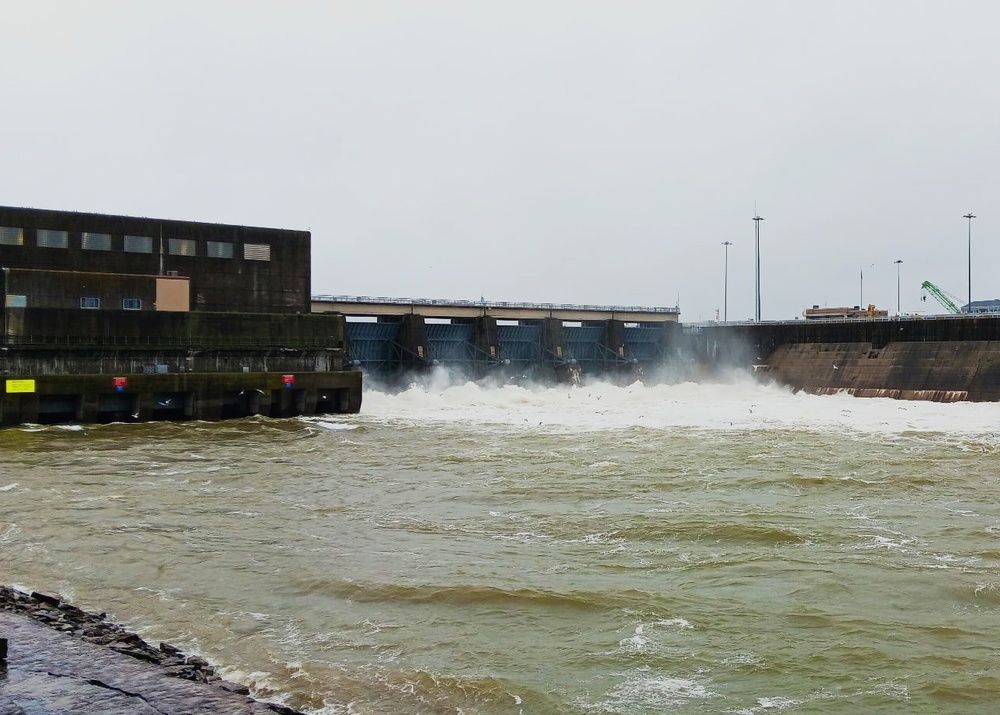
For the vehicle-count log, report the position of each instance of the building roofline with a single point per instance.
(83, 214)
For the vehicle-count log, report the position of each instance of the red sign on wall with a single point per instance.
(289, 380)
(120, 383)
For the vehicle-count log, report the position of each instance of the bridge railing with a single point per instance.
(822, 321)
(383, 300)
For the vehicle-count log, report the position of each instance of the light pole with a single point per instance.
(756, 231)
(861, 298)
(970, 216)
(897, 286)
(725, 290)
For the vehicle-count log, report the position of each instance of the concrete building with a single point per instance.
(103, 314)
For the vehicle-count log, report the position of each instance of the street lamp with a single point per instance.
(756, 230)
(897, 286)
(861, 298)
(725, 291)
(970, 216)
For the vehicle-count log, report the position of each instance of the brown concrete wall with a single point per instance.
(934, 370)
(946, 358)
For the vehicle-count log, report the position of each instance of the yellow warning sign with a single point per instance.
(20, 386)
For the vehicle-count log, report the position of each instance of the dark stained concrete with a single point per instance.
(942, 358)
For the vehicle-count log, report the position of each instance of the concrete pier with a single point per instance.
(54, 399)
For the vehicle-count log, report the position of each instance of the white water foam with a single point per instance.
(742, 405)
(643, 690)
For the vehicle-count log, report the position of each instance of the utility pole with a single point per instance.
(725, 292)
(970, 216)
(756, 230)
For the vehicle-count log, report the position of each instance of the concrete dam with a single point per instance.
(389, 338)
(943, 358)
(116, 318)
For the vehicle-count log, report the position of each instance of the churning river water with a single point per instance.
(699, 548)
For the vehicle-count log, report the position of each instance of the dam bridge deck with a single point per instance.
(374, 306)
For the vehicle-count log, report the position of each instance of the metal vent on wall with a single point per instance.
(181, 247)
(95, 241)
(10, 236)
(257, 252)
(49, 238)
(219, 249)
(138, 244)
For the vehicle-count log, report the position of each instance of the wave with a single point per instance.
(711, 531)
(475, 595)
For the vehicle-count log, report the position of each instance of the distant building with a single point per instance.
(982, 307)
(857, 312)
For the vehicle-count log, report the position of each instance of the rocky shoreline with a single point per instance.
(51, 610)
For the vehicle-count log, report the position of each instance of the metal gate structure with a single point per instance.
(387, 348)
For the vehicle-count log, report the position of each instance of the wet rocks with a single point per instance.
(51, 610)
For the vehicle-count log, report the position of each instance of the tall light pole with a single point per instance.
(861, 298)
(897, 286)
(970, 216)
(756, 231)
(725, 290)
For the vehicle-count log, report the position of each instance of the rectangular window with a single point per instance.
(90, 302)
(48, 238)
(181, 247)
(138, 244)
(17, 301)
(10, 236)
(131, 304)
(257, 252)
(95, 241)
(219, 249)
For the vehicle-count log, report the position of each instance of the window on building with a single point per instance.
(95, 241)
(181, 247)
(48, 238)
(10, 236)
(257, 252)
(138, 244)
(131, 304)
(17, 301)
(90, 302)
(219, 249)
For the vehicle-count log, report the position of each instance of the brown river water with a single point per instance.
(699, 548)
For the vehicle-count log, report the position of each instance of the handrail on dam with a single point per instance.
(382, 300)
(854, 321)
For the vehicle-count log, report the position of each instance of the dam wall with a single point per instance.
(944, 358)
(481, 347)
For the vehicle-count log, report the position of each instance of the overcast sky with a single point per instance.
(567, 152)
